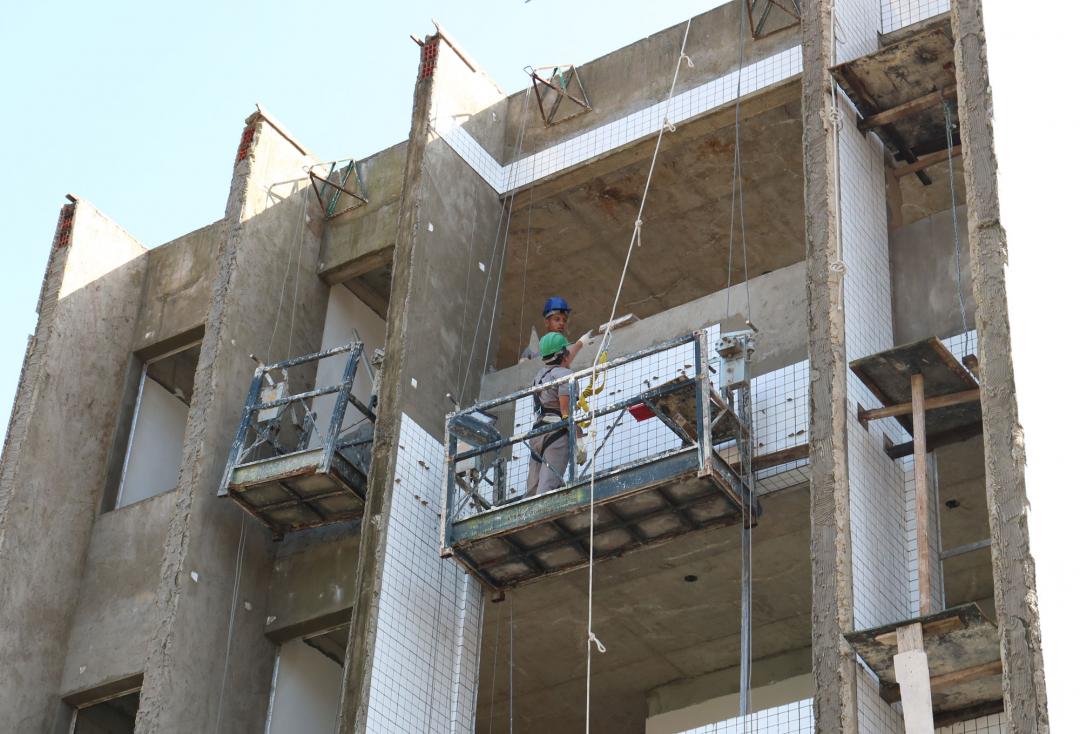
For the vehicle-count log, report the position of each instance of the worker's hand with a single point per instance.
(586, 338)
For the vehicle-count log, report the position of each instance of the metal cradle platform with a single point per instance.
(274, 475)
(684, 488)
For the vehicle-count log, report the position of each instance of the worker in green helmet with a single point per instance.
(549, 453)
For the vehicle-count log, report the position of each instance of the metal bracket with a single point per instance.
(759, 11)
(339, 177)
(553, 84)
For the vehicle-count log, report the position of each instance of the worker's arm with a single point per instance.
(576, 346)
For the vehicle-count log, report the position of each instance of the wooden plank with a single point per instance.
(953, 435)
(938, 401)
(956, 677)
(900, 111)
(925, 162)
(775, 458)
(922, 541)
(891, 693)
(935, 627)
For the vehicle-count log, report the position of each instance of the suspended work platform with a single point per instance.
(953, 410)
(287, 467)
(900, 91)
(654, 478)
(963, 652)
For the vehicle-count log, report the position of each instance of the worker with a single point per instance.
(550, 452)
(557, 319)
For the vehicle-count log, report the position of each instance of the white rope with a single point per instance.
(955, 222)
(507, 209)
(237, 573)
(635, 237)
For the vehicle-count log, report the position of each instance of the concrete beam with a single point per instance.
(209, 664)
(1024, 682)
(830, 521)
(362, 239)
(448, 218)
(51, 475)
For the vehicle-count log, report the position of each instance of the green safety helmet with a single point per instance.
(552, 343)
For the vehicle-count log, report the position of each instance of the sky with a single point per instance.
(138, 107)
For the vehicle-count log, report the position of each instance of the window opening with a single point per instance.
(156, 438)
(113, 716)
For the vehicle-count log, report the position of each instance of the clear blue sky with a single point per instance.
(139, 107)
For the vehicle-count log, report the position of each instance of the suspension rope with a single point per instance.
(635, 237)
(511, 694)
(506, 209)
(237, 575)
(955, 221)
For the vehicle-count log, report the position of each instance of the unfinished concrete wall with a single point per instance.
(51, 475)
(314, 581)
(358, 241)
(114, 616)
(209, 662)
(1023, 677)
(638, 75)
(176, 292)
(449, 221)
(779, 302)
(922, 262)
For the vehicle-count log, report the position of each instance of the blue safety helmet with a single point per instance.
(555, 303)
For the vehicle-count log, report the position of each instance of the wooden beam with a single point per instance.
(956, 677)
(944, 438)
(929, 629)
(938, 401)
(925, 161)
(910, 107)
(891, 693)
(922, 542)
(775, 458)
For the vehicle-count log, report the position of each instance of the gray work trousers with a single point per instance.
(541, 478)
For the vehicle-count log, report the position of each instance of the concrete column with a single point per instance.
(830, 531)
(437, 333)
(53, 469)
(209, 665)
(1003, 437)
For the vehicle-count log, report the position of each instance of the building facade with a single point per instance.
(833, 541)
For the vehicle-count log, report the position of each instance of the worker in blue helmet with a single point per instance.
(557, 320)
(549, 452)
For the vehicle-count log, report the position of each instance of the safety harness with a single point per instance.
(545, 415)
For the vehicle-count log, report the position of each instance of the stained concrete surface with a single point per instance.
(639, 74)
(185, 669)
(313, 581)
(176, 291)
(88, 306)
(923, 268)
(658, 627)
(776, 299)
(964, 519)
(114, 616)
(448, 214)
(576, 239)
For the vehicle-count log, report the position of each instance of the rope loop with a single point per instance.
(838, 267)
(594, 640)
(669, 125)
(689, 61)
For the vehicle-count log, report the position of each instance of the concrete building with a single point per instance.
(836, 542)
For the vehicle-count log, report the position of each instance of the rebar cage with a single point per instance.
(288, 467)
(665, 440)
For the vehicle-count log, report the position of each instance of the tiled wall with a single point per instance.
(623, 131)
(899, 13)
(985, 725)
(427, 644)
(791, 718)
(875, 716)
